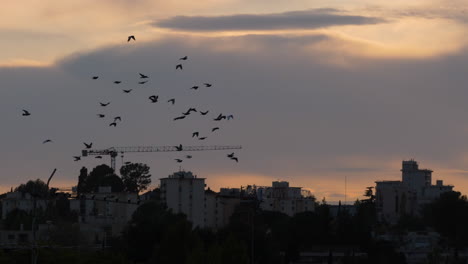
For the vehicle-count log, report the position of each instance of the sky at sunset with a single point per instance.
(320, 90)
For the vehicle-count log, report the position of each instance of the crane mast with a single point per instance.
(114, 151)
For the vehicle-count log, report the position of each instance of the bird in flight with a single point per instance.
(117, 118)
(127, 91)
(186, 113)
(46, 141)
(104, 104)
(178, 160)
(142, 76)
(117, 82)
(202, 138)
(101, 115)
(88, 146)
(235, 158)
(171, 101)
(114, 124)
(154, 98)
(188, 156)
(208, 84)
(178, 66)
(95, 77)
(130, 38)
(230, 155)
(192, 110)
(184, 58)
(220, 117)
(195, 134)
(179, 118)
(204, 113)
(77, 158)
(98, 157)
(194, 87)
(26, 113)
(143, 82)
(214, 129)
(178, 148)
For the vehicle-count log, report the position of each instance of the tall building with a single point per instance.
(183, 192)
(408, 196)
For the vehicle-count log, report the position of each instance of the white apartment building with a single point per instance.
(21, 201)
(397, 198)
(183, 192)
(104, 211)
(282, 198)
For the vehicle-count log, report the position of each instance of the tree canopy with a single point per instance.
(135, 177)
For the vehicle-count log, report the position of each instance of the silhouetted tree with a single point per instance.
(103, 175)
(36, 188)
(81, 188)
(135, 177)
(449, 216)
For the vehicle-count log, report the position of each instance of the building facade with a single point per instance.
(407, 197)
(183, 192)
(280, 197)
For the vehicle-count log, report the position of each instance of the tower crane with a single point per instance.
(114, 151)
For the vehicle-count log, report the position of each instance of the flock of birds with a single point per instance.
(154, 99)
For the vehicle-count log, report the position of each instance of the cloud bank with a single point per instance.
(309, 19)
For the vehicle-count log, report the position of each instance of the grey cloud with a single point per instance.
(310, 19)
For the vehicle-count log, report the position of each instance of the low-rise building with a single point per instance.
(21, 201)
(104, 213)
(280, 197)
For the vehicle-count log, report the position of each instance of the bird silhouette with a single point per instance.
(88, 146)
(202, 138)
(95, 77)
(220, 117)
(179, 148)
(77, 158)
(171, 101)
(114, 124)
(46, 141)
(195, 134)
(143, 82)
(127, 91)
(192, 110)
(104, 104)
(142, 76)
(154, 98)
(194, 88)
(229, 117)
(98, 157)
(117, 118)
(117, 82)
(178, 66)
(204, 113)
(214, 129)
(130, 38)
(235, 158)
(101, 115)
(208, 84)
(26, 113)
(184, 58)
(179, 118)
(188, 156)
(230, 155)
(178, 160)
(186, 113)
